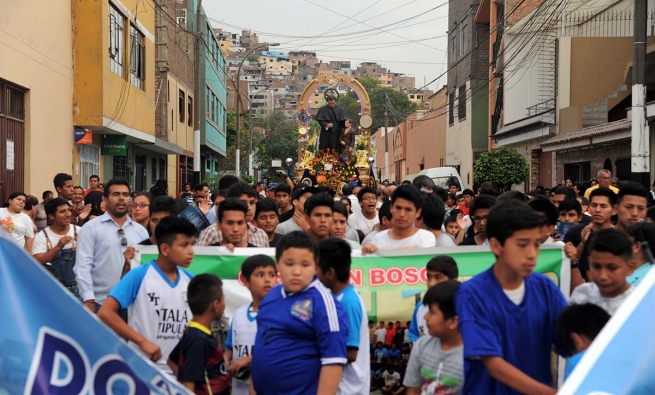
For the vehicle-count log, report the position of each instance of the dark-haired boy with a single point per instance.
(479, 210)
(283, 199)
(439, 269)
(297, 220)
(318, 209)
(154, 295)
(577, 327)
(365, 219)
(610, 263)
(259, 276)
(436, 363)
(385, 217)
(507, 313)
(212, 235)
(544, 207)
(334, 272)
(160, 208)
(197, 360)
(467, 198)
(602, 208)
(570, 210)
(631, 205)
(267, 219)
(301, 328)
(406, 202)
(432, 215)
(233, 224)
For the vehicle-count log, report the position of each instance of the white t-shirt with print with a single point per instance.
(20, 227)
(421, 239)
(40, 245)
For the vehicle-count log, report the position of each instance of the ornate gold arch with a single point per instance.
(331, 80)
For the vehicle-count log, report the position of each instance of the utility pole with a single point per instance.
(640, 166)
(386, 137)
(196, 93)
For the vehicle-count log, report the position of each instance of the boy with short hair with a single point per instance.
(259, 276)
(301, 328)
(499, 357)
(452, 228)
(233, 224)
(610, 262)
(154, 295)
(570, 210)
(160, 208)
(467, 198)
(544, 207)
(267, 219)
(392, 385)
(381, 332)
(319, 209)
(631, 205)
(577, 327)
(436, 363)
(439, 269)
(198, 359)
(283, 198)
(334, 272)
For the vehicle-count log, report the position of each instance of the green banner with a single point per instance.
(389, 285)
(380, 273)
(114, 145)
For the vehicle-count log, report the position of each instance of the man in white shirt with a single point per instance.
(366, 219)
(347, 191)
(381, 332)
(406, 204)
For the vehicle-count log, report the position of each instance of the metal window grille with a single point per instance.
(116, 40)
(137, 58)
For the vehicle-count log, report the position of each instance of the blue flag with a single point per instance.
(621, 360)
(49, 344)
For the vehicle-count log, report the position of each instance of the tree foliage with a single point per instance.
(503, 167)
(400, 105)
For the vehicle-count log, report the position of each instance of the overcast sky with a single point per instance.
(414, 42)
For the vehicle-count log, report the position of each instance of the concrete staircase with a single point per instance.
(596, 114)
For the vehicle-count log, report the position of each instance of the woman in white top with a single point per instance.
(17, 223)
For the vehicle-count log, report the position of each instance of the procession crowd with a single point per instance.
(307, 331)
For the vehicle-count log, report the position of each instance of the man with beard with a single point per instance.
(105, 246)
(332, 119)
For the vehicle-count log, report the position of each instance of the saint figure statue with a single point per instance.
(332, 119)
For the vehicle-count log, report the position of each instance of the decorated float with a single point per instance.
(334, 168)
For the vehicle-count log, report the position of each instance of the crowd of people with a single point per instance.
(310, 333)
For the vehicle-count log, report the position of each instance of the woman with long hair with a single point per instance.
(345, 201)
(140, 209)
(16, 222)
(98, 205)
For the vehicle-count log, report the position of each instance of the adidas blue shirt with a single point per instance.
(492, 325)
(297, 333)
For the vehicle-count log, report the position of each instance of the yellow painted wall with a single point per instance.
(35, 53)
(99, 92)
(171, 174)
(179, 133)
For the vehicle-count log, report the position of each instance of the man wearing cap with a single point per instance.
(270, 190)
(299, 219)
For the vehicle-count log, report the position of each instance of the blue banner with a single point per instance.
(621, 360)
(49, 344)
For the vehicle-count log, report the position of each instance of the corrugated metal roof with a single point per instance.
(591, 131)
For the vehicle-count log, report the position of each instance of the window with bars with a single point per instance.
(461, 103)
(453, 48)
(121, 168)
(464, 37)
(116, 40)
(89, 163)
(137, 57)
(181, 105)
(153, 177)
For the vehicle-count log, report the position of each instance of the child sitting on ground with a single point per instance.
(577, 326)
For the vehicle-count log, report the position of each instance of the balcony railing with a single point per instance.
(498, 109)
(497, 44)
(542, 107)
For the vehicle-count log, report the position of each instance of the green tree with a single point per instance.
(503, 167)
(253, 59)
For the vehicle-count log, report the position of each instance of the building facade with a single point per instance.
(115, 94)
(468, 99)
(36, 97)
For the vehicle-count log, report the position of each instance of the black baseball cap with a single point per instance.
(298, 192)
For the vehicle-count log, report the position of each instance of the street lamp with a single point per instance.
(238, 153)
(289, 161)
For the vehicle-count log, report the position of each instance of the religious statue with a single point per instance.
(332, 118)
(348, 137)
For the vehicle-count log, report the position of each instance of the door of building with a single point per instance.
(12, 139)
(140, 172)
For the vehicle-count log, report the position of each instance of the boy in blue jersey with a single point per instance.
(197, 360)
(439, 269)
(334, 272)
(154, 295)
(300, 346)
(507, 314)
(259, 276)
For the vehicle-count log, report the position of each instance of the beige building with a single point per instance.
(36, 80)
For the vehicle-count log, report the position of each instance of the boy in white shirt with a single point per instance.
(406, 203)
(610, 262)
(155, 295)
(259, 276)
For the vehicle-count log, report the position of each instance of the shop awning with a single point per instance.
(592, 135)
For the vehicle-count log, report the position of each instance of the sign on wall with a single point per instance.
(114, 145)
